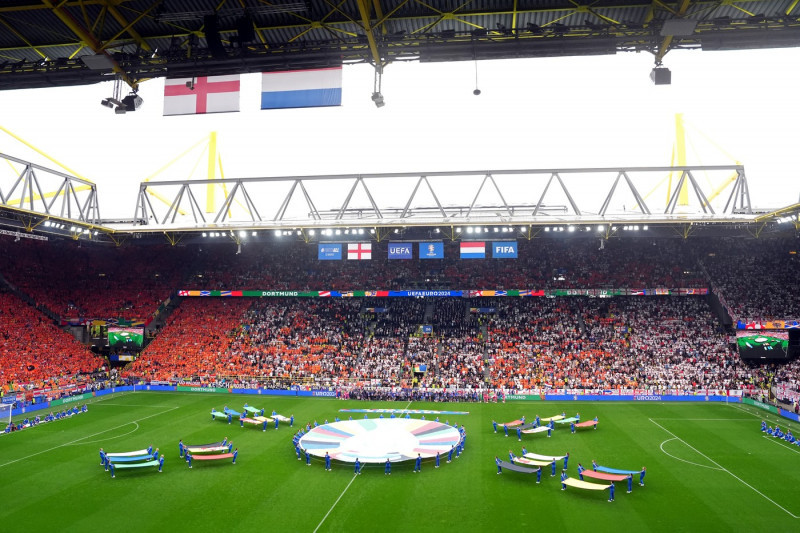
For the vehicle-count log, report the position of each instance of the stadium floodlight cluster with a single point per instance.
(242, 234)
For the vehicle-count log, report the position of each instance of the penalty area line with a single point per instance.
(84, 438)
(334, 504)
(779, 506)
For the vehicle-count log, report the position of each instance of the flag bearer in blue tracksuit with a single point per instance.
(763, 426)
(437, 460)
(519, 434)
(553, 468)
(505, 428)
(327, 462)
(160, 463)
(358, 466)
(450, 454)
(563, 479)
(641, 476)
(611, 492)
(511, 456)
(180, 448)
(630, 483)
(494, 425)
(418, 464)
(235, 455)
(308, 458)
(291, 421)
(497, 462)
(566, 460)
(580, 471)
(387, 468)
(276, 423)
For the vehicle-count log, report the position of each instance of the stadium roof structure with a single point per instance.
(678, 200)
(46, 43)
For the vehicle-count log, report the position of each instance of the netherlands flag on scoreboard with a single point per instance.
(301, 88)
(473, 250)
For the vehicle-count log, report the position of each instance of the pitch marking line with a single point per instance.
(705, 419)
(134, 430)
(345, 490)
(728, 471)
(772, 439)
(684, 460)
(84, 438)
(334, 503)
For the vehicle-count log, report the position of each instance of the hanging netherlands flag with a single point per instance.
(359, 250)
(301, 88)
(200, 95)
(473, 250)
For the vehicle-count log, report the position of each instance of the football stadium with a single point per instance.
(564, 348)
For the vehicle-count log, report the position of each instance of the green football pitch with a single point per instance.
(709, 468)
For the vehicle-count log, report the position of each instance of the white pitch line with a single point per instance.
(684, 460)
(706, 419)
(728, 471)
(345, 489)
(772, 439)
(86, 437)
(334, 504)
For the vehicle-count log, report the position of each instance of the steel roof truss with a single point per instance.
(226, 205)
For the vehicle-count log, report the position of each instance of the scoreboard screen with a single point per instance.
(763, 344)
(125, 338)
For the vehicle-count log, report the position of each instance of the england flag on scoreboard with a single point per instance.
(301, 88)
(473, 250)
(204, 94)
(359, 250)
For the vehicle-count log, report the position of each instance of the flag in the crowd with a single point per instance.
(431, 250)
(359, 250)
(473, 250)
(329, 252)
(301, 88)
(400, 250)
(504, 249)
(204, 94)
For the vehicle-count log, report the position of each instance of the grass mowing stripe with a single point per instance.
(334, 503)
(86, 437)
(772, 439)
(728, 471)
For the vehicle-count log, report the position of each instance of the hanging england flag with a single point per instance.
(204, 94)
(359, 250)
(301, 88)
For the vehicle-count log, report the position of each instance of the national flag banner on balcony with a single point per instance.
(201, 95)
(473, 250)
(359, 250)
(301, 88)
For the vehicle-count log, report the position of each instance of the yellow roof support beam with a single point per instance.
(364, 10)
(667, 42)
(88, 39)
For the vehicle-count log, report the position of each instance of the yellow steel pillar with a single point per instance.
(680, 152)
(212, 169)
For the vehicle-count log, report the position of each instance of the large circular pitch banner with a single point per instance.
(376, 439)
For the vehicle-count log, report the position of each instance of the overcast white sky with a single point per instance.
(535, 113)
